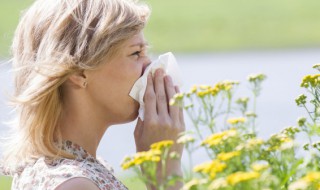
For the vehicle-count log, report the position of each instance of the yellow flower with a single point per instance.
(226, 85)
(259, 166)
(127, 165)
(205, 87)
(204, 167)
(176, 99)
(238, 177)
(210, 168)
(178, 96)
(310, 80)
(227, 156)
(214, 91)
(185, 139)
(234, 121)
(194, 89)
(172, 102)
(250, 144)
(312, 177)
(204, 93)
(218, 184)
(254, 142)
(306, 181)
(193, 183)
(217, 138)
(161, 144)
(287, 145)
(141, 157)
(280, 142)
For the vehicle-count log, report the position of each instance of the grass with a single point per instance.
(5, 183)
(207, 25)
(211, 25)
(131, 181)
(9, 17)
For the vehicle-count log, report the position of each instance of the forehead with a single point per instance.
(137, 40)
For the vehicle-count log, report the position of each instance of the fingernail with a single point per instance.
(159, 71)
(168, 78)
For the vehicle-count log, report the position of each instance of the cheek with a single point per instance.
(130, 77)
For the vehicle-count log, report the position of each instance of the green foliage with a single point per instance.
(208, 25)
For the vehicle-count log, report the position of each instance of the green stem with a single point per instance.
(195, 123)
(228, 111)
(190, 164)
(254, 111)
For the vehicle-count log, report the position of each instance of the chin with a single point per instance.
(132, 113)
(134, 116)
(128, 118)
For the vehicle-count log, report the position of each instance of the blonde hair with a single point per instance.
(54, 39)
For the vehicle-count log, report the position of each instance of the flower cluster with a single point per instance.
(235, 121)
(140, 158)
(152, 155)
(149, 161)
(310, 181)
(237, 158)
(205, 90)
(310, 80)
(301, 100)
(218, 138)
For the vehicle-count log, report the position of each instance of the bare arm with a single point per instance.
(79, 183)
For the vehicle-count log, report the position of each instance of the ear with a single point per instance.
(79, 79)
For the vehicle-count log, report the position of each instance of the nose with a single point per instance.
(146, 63)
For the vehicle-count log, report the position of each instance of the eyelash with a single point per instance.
(137, 53)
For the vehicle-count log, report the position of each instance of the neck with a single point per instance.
(83, 125)
(85, 137)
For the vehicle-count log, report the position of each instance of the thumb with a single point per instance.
(138, 129)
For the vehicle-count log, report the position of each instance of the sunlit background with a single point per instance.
(210, 25)
(213, 40)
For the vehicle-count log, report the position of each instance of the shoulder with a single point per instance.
(78, 183)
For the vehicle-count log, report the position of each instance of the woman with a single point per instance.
(76, 62)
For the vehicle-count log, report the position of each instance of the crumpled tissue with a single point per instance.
(169, 64)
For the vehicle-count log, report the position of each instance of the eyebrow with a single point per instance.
(140, 44)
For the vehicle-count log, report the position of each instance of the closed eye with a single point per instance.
(136, 53)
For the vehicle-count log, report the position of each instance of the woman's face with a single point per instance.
(110, 84)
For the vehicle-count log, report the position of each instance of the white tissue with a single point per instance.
(165, 61)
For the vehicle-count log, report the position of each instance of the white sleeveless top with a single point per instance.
(45, 174)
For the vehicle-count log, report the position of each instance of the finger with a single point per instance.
(170, 90)
(162, 105)
(180, 109)
(138, 130)
(150, 99)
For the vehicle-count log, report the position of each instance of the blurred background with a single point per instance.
(210, 25)
(213, 40)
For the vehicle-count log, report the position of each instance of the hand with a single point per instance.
(162, 122)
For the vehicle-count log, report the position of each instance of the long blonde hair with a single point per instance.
(54, 39)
